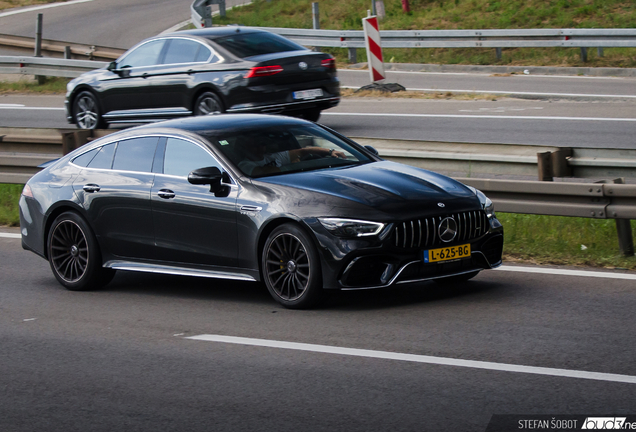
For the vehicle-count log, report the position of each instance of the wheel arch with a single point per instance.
(53, 214)
(271, 226)
(80, 89)
(198, 91)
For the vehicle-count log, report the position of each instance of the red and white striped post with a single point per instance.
(374, 49)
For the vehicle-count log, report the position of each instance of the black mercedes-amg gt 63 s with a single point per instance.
(254, 197)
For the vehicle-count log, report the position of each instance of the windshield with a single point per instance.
(283, 149)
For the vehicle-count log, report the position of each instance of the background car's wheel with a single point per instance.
(207, 103)
(74, 255)
(86, 112)
(291, 268)
(453, 280)
(311, 114)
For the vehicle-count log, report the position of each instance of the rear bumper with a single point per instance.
(288, 107)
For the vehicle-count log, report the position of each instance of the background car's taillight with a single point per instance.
(260, 71)
(329, 63)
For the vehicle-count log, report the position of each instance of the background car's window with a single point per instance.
(135, 154)
(144, 55)
(186, 51)
(181, 157)
(104, 158)
(250, 44)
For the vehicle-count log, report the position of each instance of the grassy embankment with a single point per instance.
(459, 14)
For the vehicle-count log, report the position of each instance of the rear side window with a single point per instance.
(251, 44)
(135, 154)
(186, 51)
(104, 157)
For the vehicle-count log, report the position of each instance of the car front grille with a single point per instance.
(423, 233)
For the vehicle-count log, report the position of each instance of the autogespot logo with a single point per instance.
(606, 423)
(447, 229)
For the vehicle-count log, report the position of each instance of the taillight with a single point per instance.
(260, 71)
(27, 192)
(329, 63)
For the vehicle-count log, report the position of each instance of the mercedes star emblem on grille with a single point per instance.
(447, 229)
(441, 205)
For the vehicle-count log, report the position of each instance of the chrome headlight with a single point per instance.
(351, 227)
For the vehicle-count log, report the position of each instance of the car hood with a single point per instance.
(386, 187)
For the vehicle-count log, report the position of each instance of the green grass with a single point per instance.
(458, 14)
(50, 86)
(528, 238)
(9, 197)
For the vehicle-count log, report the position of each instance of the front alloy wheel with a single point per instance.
(291, 268)
(86, 112)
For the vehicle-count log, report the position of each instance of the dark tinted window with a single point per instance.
(144, 55)
(250, 44)
(186, 51)
(181, 157)
(135, 154)
(83, 160)
(104, 158)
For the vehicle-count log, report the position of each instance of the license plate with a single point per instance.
(447, 253)
(308, 94)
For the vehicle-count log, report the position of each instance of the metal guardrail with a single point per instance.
(22, 150)
(46, 66)
(21, 45)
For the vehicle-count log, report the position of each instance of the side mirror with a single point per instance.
(209, 176)
(372, 150)
(112, 66)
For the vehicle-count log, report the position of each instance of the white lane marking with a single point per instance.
(10, 235)
(468, 116)
(48, 6)
(565, 272)
(512, 93)
(491, 74)
(22, 107)
(444, 361)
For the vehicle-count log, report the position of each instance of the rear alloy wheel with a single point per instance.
(86, 112)
(74, 255)
(207, 103)
(291, 268)
(454, 280)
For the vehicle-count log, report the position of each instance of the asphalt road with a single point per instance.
(121, 358)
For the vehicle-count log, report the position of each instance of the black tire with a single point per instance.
(454, 280)
(74, 254)
(207, 103)
(86, 112)
(291, 268)
(311, 114)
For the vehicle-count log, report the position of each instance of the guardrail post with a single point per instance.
(624, 231)
(544, 164)
(599, 51)
(584, 55)
(498, 50)
(353, 55)
(67, 52)
(38, 45)
(560, 166)
(315, 15)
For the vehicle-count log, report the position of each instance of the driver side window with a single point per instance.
(181, 157)
(144, 55)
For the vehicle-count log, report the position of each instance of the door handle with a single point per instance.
(144, 75)
(90, 188)
(166, 194)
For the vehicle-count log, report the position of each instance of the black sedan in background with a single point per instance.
(254, 197)
(226, 69)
